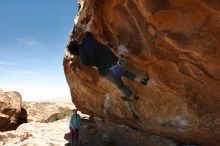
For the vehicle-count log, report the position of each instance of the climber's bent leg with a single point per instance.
(129, 75)
(120, 85)
(126, 73)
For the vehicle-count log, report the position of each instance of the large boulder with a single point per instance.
(178, 44)
(10, 107)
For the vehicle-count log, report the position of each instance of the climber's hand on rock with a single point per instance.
(74, 65)
(90, 24)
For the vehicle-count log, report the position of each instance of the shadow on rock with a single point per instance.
(67, 137)
(22, 118)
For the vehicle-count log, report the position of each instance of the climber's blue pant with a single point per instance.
(116, 80)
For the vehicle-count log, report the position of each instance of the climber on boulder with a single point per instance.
(94, 53)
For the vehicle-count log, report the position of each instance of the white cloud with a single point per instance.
(28, 41)
(39, 92)
(24, 72)
(32, 60)
(17, 72)
(7, 63)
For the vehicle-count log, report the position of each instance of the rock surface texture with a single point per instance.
(10, 107)
(178, 44)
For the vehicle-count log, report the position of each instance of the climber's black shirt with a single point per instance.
(94, 53)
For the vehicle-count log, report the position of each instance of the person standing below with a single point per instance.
(74, 127)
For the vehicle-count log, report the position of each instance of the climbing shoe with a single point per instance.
(145, 80)
(125, 98)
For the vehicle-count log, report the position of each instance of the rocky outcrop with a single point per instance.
(10, 107)
(38, 131)
(41, 111)
(178, 44)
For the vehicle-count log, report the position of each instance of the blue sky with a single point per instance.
(33, 36)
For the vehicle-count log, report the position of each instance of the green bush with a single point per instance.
(66, 111)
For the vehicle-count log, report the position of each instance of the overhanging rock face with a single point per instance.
(178, 44)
